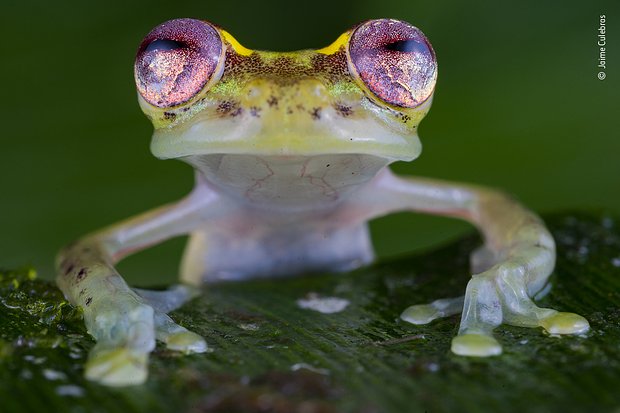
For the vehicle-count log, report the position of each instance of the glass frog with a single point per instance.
(291, 153)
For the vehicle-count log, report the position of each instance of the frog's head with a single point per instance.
(207, 94)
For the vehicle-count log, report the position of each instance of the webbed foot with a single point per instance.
(498, 295)
(126, 326)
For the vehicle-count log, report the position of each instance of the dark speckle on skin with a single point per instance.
(81, 274)
(255, 111)
(238, 111)
(316, 113)
(226, 106)
(343, 110)
(272, 101)
(88, 301)
(82, 291)
(170, 115)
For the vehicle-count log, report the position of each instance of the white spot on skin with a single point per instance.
(306, 366)
(615, 262)
(325, 305)
(70, 390)
(54, 375)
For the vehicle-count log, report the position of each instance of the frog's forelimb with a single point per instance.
(513, 265)
(126, 322)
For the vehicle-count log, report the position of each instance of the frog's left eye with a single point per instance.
(176, 60)
(395, 61)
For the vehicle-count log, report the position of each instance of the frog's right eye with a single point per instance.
(395, 61)
(176, 60)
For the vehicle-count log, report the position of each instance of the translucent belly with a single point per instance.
(218, 255)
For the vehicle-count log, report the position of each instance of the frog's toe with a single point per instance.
(120, 366)
(425, 313)
(476, 345)
(565, 323)
(420, 314)
(176, 337)
(186, 342)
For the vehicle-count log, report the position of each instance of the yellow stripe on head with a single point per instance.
(342, 40)
(243, 51)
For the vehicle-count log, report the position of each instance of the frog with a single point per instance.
(291, 153)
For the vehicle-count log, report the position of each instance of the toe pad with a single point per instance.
(419, 314)
(565, 323)
(476, 345)
(186, 342)
(117, 367)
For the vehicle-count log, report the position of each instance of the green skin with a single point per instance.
(290, 165)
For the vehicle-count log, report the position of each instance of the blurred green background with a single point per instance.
(518, 105)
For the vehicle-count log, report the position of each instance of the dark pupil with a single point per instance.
(163, 44)
(405, 46)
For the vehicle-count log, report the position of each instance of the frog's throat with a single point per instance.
(210, 138)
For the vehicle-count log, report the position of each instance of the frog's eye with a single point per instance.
(176, 60)
(395, 61)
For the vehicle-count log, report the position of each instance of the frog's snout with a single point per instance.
(289, 96)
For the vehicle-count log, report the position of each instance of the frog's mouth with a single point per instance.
(251, 135)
